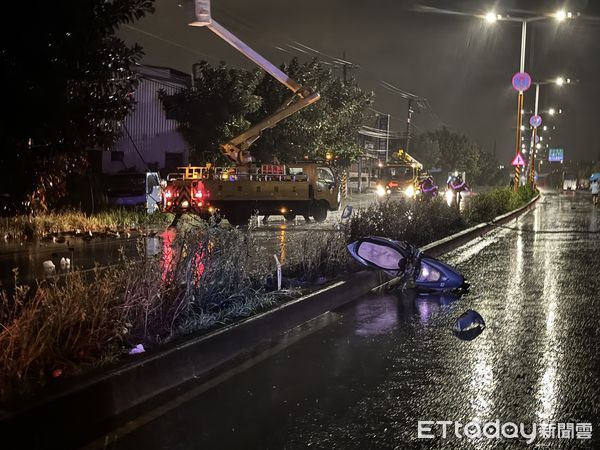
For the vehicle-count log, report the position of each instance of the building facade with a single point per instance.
(150, 141)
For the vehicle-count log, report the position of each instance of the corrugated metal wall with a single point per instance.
(151, 132)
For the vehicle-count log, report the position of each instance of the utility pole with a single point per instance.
(387, 140)
(408, 121)
(414, 101)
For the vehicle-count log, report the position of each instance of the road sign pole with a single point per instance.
(531, 173)
(535, 121)
(518, 144)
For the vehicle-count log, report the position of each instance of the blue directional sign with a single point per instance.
(556, 154)
(535, 121)
(521, 81)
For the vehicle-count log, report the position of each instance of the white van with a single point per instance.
(135, 190)
(569, 182)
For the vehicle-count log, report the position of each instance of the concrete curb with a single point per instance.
(64, 415)
(454, 241)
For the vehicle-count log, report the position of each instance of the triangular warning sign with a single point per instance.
(518, 161)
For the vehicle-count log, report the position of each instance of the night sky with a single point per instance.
(462, 65)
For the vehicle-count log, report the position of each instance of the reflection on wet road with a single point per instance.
(386, 362)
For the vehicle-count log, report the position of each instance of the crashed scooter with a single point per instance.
(411, 268)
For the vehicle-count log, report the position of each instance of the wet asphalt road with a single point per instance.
(362, 376)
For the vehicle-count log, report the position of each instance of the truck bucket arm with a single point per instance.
(236, 149)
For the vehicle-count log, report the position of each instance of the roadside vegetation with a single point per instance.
(205, 277)
(485, 207)
(44, 225)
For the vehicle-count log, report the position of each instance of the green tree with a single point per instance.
(328, 126)
(226, 101)
(426, 149)
(454, 151)
(215, 108)
(70, 83)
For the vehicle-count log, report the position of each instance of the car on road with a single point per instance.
(569, 182)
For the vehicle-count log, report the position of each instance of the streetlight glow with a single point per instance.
(560, 15)
(551, 111)
(560, 81)
(491, 17)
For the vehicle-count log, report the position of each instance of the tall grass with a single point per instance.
(206, 277)
(489, 205)
(417, 222)
(315, 255)
(42, 225)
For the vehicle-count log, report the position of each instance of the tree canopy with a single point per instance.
(70, 83)
(226, 101)
(450, 151)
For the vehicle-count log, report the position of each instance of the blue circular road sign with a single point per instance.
(535, 121)
(521, 81)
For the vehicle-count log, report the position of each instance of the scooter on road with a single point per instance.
(411, 267)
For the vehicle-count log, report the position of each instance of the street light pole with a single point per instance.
(517, 180)
(492, 17)
(531, 177)
(560, 81)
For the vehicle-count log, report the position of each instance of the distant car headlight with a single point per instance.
(410, 192)
(380, 191)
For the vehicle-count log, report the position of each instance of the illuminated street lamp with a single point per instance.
(560, 15)
(536, 121)
(492, 17)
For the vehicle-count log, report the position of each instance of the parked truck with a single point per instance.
(308, 189)
(304, 188)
